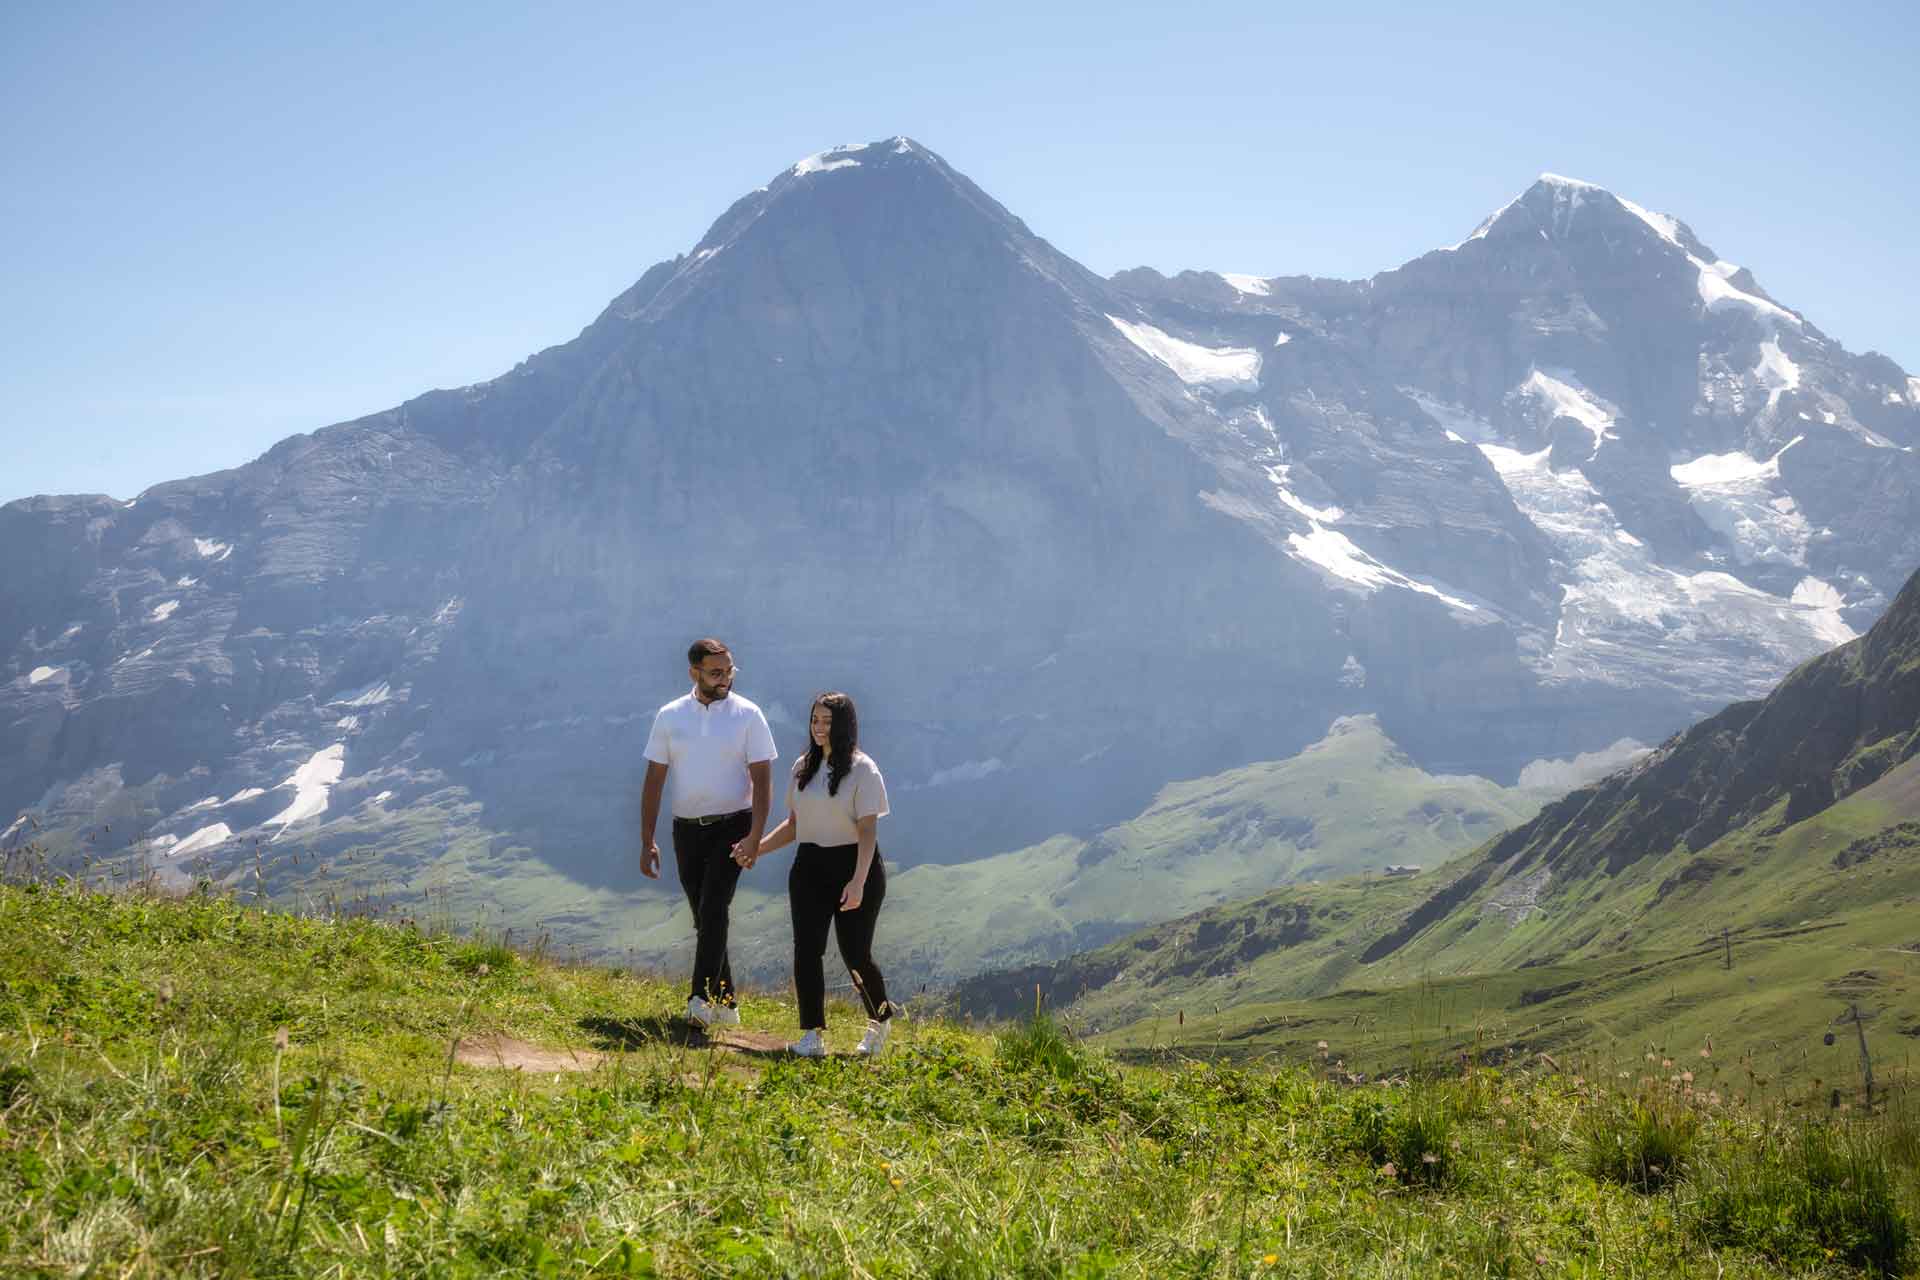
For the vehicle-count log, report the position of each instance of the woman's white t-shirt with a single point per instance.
(828, 820)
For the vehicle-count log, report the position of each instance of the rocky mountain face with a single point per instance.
(1065, 538)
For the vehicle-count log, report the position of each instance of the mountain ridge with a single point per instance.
(887, 439)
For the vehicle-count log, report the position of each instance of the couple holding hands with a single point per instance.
(717, 749)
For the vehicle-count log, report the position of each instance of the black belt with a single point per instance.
(712, 818)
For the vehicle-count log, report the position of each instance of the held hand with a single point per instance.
(850, 897)
(747, 852)
(650, 861)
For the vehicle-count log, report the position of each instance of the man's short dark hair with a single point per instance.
(700, 650)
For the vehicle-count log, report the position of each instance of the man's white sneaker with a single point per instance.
(725, 1015)
(700, 1013)
(875, 1040)
(809, 1045)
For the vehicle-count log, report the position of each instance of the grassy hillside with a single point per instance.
(1715, 892)
(1350, 802)
(194, 1088)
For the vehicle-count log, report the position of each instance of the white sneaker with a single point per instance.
(809, 1045)
(875, 1040)
(725, 1015)
(700, 1013)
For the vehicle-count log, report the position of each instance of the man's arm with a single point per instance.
(650, 818)
(761, 774)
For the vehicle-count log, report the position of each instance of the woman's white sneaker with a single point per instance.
(809, 1045)
(875, 1040)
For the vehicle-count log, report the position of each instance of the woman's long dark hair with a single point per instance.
(842, 737)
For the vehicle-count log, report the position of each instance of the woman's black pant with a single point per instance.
(819, 875)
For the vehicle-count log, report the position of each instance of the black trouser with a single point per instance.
(820, 874)
(708, 873)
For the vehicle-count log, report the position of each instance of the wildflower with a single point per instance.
(1666, 1064)
(898, 1182)
(1269, 1259)
(886, 1164)
(1499, 1122)
(1429, 1158)
(1707, 1052)
(1322, 1045)
(1388, 1171)
(1687, 1076)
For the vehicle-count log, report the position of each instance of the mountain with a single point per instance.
(1572, 481)
(1743, 883)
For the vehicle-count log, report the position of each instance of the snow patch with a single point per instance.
(211, 802)
(1457, 422)
(1336, 553)
(368, 695)
(1717, 294)
(1823, 603)
(211, 550)
(827, 161)
(382, 798)
(1328, 515)
(1776, 371)
(163, 611)
(184, 583)
(1191, 362)
(1352, 674)
(1740, 498)
(311, 783)
(1254, 285)
(40, 675)
(1282, 339)
(204, 838)
(1563, 396)
(250, 793)
(1728, 468)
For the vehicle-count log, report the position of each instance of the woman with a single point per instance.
(837, 880)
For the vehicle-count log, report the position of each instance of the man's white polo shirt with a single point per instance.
(707, 747)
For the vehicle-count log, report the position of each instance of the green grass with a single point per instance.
(193, 1087)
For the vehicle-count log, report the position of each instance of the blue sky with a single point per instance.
(220, 225)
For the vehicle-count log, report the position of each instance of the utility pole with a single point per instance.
(1866, 1061)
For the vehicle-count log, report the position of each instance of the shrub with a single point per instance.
(1796, 1196)
(1642, 1141)
(1414, 1136)
(1040, 1044)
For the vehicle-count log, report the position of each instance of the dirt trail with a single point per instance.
(499, 1050)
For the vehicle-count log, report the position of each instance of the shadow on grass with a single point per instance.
(629, 1034)
(638, 1033)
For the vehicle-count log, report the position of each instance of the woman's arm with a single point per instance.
(865, 829)
(778, 838)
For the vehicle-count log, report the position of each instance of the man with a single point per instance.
(720, 752)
